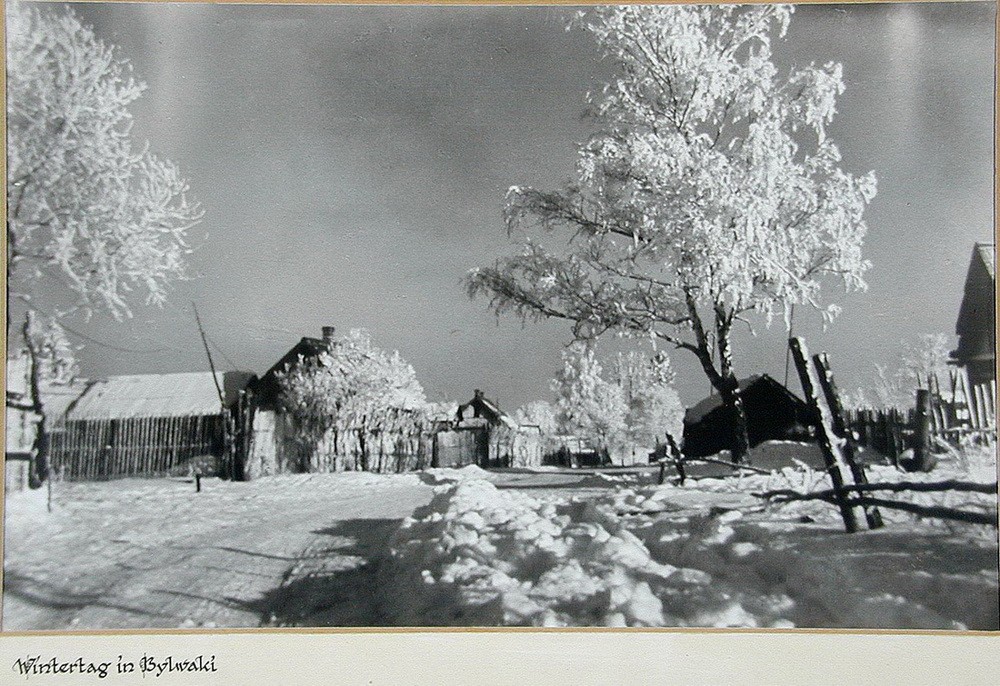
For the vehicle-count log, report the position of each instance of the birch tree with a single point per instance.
(654, 407)
(588, 404)
(710, 192)
(86, 208)
(541, 414)
(916, 364)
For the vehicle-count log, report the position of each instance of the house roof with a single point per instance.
(987, 252)
(976, 310)
(59, 399)
(267, 388)
(713, 402)
(491, 408)
(188, 394)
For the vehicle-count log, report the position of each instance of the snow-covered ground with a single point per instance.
(153, 553)
(708, 554)
(469, 547)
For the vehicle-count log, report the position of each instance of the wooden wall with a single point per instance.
(148, 446)
(274, 449)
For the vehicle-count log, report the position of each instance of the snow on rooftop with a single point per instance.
(187, 394)
(988, 254)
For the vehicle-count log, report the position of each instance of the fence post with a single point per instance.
(921, 430)
(822, 364)
(829, 442)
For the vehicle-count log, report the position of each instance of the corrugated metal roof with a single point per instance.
(150, 395)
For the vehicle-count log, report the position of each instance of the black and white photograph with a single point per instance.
(624, 316)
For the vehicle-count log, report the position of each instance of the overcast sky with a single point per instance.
(352, 163)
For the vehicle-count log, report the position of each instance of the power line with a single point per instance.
(222, 352)
(103, 344)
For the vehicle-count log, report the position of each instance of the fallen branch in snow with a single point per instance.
(988, 518)
(924, 486)
(712, 460)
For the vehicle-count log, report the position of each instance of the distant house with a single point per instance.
(483, 434)
(146, 424)
(572, 450)
(773, 413)
(976, 325)
(275, 446)
(267, 389)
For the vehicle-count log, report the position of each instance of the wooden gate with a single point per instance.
(461, 447)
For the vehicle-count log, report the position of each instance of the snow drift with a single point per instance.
(477, 555)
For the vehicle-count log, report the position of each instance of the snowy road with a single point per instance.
(304, 550)
(152, 553)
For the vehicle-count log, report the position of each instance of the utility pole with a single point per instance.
(229, 438)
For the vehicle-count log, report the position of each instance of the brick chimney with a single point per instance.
(329, 334)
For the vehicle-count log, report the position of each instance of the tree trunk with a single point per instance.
(732, 400)
(362, 449)
(40, 445)
(722, 379)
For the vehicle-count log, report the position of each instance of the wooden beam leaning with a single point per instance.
(825, 374)
(836, 465)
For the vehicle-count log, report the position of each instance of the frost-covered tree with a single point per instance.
(588, 404)
(710, 192)
(85, 207)
(355, 387)
(655, 409)
(916, 363)
(541, 414)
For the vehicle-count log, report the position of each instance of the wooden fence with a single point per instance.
(958, 411)
(851, 493)
(273, 446)
(110, 448)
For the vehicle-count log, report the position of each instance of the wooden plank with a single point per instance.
(173, 428)
(90, 438)
(826, 380)
(970, 399)
(984, 404)
(136, 443)
(84, 455)
(145, 453)
(977, 401)
(836, 466)
(149, 444)
(922, 433)
(157, 435)
(984, 415)
(121, 448)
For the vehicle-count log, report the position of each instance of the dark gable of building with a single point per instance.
(773, 413)
(480, 407)
(266, 390)
(976, 325)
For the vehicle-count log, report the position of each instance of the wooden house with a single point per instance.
(976, 325)
(484, 435)
(147, 424)
(773, 413)
(274, 446)
(267, 390)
